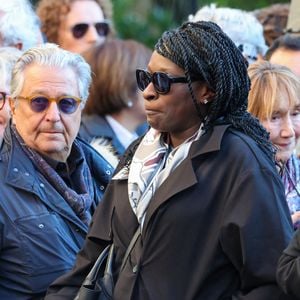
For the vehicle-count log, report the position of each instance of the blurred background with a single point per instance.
(145, 20)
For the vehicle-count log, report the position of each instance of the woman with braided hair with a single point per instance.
(201, 185)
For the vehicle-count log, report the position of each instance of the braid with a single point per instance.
(204, 51)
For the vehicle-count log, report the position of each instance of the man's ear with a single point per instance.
(12, 105)
(19, 46)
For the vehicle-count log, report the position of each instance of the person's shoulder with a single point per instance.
(93, 157)
(242, 146)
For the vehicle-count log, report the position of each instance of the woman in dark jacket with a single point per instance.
(201, 185)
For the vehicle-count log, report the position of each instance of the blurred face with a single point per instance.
(139, 108)
(50, 131)
(4, 112)
(85, 13)
(284, 128)
(173, 112)
(288, 58)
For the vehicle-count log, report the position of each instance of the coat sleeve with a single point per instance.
(67, 286)
(256, 227)
(288, 271)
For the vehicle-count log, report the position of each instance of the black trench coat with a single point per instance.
(214, 229)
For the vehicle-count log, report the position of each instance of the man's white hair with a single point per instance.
(50, 55)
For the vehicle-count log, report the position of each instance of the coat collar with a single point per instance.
(97, 126)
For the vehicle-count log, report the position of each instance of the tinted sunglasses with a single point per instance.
(161, 81)
(65, 104)
(79, 30)
(2, 99)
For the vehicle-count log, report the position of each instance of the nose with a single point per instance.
(149, 93)
(287, 129)
(92, 35)
(53, 113)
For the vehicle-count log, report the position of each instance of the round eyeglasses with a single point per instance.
(2, 99)
(65, 104)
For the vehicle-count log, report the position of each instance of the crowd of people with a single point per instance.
(185, 157)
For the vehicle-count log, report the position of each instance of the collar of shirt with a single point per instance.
(124, 135)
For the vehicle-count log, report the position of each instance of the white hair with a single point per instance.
(241, 26)
(19, 24)
(8, 58)
(51, 55)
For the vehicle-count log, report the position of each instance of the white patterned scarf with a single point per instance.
(151, 164)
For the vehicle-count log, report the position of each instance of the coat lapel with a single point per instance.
(184, 175)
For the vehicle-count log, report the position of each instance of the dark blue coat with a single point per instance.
(39, 232)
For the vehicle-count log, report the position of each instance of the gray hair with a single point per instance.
(52, 56)
(19, 24)
(8, 58)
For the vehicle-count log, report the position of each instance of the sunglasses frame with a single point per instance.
(87, 25)
(51, 99)
(151, 78)
(2, 103)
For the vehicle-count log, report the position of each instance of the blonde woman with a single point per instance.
(274, 99)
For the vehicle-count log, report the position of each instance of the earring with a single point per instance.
(129, 103)
(205, 101)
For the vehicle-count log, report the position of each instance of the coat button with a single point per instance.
(135, 269)
(16, 170)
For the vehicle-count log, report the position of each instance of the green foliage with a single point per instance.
(144, 23)
(245, 5)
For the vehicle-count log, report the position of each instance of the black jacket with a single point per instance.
(214, 229)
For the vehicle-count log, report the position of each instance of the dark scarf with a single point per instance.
(80, 203)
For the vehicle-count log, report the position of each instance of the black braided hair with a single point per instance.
(204, 51)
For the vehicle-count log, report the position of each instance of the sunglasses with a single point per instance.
(2, 99)
(161, 81)
(65, 104)
(79, 30)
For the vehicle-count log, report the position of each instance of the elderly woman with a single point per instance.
(201, 184)
(274, 99)
(76, 25)
(114, 115)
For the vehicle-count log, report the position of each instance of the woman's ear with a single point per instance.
(204, 94)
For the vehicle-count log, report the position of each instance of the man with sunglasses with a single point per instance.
(76, 25)
(51, 181)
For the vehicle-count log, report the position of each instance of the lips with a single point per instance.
(151, 112)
